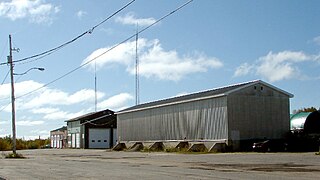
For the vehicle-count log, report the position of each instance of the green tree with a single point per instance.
(308, 109)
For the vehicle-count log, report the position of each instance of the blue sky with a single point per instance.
(205, 45)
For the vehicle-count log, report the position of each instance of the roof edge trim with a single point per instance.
(172, 103)
(264, 83)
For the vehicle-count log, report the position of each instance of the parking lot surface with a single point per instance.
(102, 164)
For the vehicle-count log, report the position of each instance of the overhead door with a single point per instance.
(99, 138)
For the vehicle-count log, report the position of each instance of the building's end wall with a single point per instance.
(258, 112)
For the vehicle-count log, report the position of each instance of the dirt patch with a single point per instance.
(255, 167)
(78, 155)
(168, 166)
(132, 157)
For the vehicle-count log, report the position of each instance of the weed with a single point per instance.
(15, 156)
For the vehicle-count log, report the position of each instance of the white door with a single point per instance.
(52, 141)
(99, 138)
(57, 141)
(77, 140)
(73, 140)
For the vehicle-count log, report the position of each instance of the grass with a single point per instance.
(14, 156)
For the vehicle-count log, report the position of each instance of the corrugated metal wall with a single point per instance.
(258, 112)
(205, 119)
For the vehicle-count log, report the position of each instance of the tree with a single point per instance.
(310, 109)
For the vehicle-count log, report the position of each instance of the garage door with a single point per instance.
(99, 138)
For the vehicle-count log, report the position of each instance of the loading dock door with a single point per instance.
(99, 138)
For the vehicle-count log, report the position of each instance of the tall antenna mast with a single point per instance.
(95, 86)
(137, 69)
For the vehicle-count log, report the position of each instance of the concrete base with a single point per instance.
(195, 146)
(182, 145)
(157, 146)
(138, 146)
(119, 147)
(198, 147)
(218, 147)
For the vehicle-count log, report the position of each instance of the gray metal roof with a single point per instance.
(218, 92)
(91, 115)
(63, 128)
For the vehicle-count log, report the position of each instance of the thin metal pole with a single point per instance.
(137, 69)
(14, 145)
(95, 86)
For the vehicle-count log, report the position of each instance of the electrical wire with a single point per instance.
(5, 77)
(108, 50)
(48, 52)
(4, 107)
(4, 47)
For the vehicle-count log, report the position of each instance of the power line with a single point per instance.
(108, 50)
(5, 77)
(3, 49)
(48, 52)
(4, 107)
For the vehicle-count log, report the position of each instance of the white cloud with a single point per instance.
(4, 122)
(29, 123)
(58, 97)
(155, 62)
(37, 11)
(130, 19)
(116, 102)
(45, 97)
(63, 115)
(81, 13)
(40, 131)
(20, 88)
(44, 110)
(276, 66)
(317, 40)
(243, 69)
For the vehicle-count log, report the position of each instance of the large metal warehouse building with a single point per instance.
(235, 113)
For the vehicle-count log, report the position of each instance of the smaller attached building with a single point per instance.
(97, 130)
(58, 137)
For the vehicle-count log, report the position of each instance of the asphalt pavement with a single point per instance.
(102, 164)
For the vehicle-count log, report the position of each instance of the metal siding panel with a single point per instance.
(258, 117)
(204, 119)
(115, 137)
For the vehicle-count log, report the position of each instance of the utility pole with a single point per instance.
(14, 142)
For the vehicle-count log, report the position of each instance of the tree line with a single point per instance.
(6, 143)
(308, 109)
